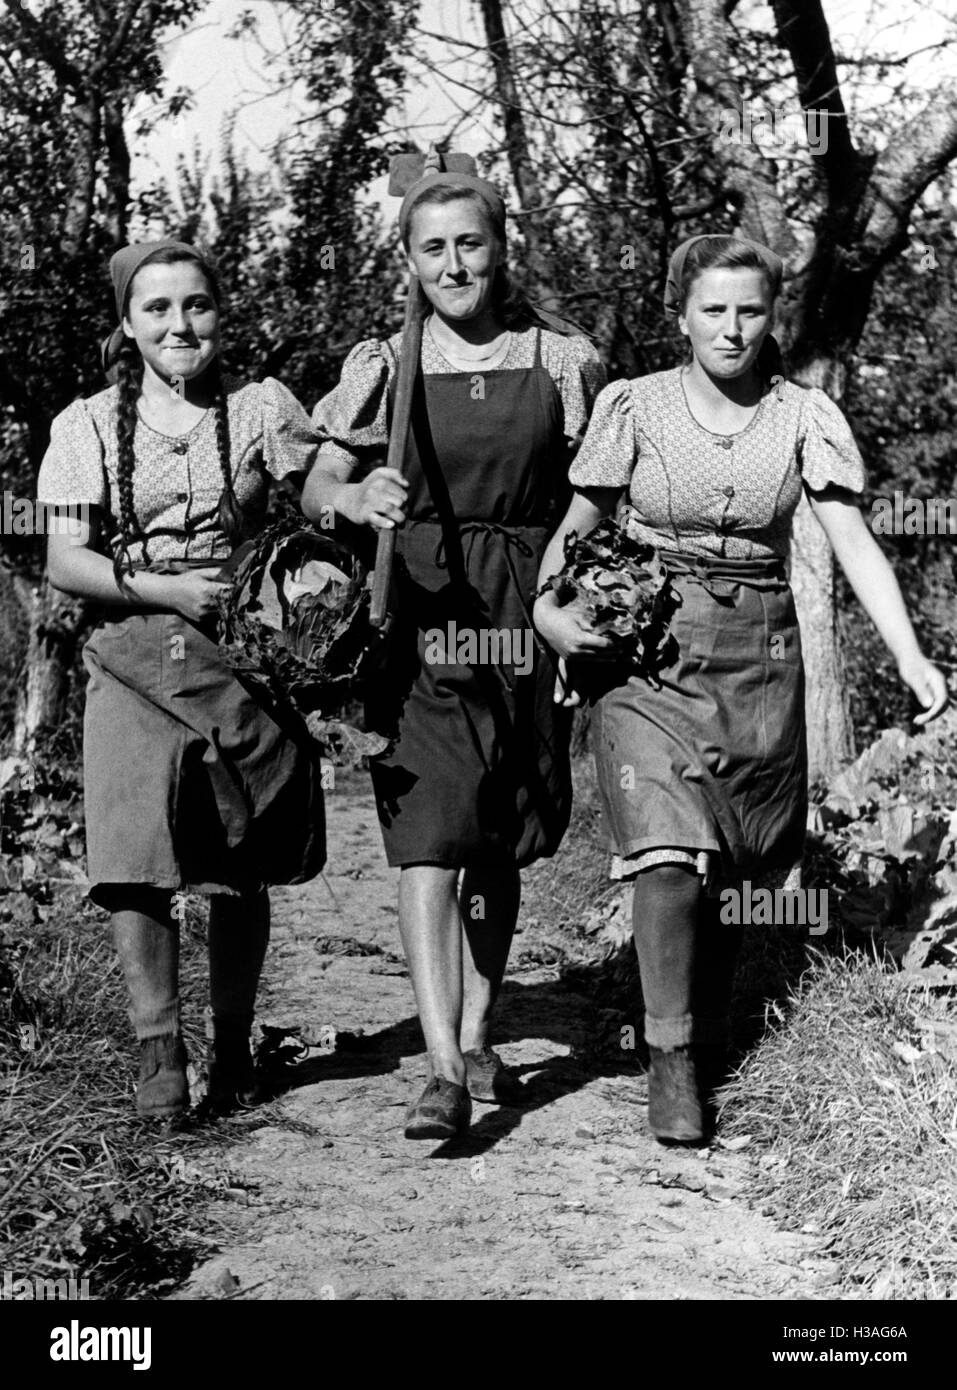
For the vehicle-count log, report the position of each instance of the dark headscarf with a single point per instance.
(489, 194)
(487, 191)
(672, 296)
(123, 266)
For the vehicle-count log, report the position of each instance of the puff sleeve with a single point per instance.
(353, 416)
(827, 451)
(609, 450)
(579, 374)
(290, 443)
(72, 469)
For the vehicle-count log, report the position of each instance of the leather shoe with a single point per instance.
(488, 1078)
(232, 1073)
(442, 1111)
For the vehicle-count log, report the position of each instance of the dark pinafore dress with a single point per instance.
(479, 774)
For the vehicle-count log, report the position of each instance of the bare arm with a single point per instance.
(76, 568)
(564, 631)
(873, 581)
(379, 500)
(585, 511)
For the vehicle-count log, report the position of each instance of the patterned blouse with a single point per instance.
(711, 494)
(177, 480)
(352, 418)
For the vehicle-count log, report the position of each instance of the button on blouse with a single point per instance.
(177, 482)
(643, 437)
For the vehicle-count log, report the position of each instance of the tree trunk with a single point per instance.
(55, 624)
(830, 740)
(866, 201)
(830, 735)
(519, 157)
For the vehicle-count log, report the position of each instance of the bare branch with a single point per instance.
(516, 138)
(803, 31)
(919, 154)
(748, 175)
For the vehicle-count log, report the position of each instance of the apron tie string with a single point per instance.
(512, 537)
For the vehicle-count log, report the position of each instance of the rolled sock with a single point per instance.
(666, 1034)
(155, 1018)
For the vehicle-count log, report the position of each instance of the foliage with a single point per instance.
(71, 74)
(902, 402)
(849, 1105)
(620, 589)
(620, 157)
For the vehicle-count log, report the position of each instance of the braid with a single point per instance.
(129, 379)
(230, 515)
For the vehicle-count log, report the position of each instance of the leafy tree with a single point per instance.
(633, 120)
(69, 73)
(902, 395)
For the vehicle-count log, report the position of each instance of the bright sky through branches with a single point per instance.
(233, 75)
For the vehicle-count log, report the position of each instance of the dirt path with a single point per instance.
(567, 1198)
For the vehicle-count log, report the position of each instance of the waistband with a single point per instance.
(526, 540)
(178, 566)
(717, 573)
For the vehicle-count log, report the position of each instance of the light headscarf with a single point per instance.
(770, 362)
(123, 266)
(672, 296)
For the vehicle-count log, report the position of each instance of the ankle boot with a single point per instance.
(674, 1110)
(232, 1072)
(163, 1089)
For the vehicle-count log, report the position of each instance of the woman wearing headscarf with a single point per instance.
(189, 785)
(704, 780)
(477, 785)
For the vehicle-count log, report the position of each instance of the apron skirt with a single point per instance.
(479, 775)
(189, 784)
(715, 760)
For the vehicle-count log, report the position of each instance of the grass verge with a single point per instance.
(847, 1084)
(87, 1190)
(853, 1100)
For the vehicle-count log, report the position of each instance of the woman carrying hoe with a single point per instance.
(477, 785)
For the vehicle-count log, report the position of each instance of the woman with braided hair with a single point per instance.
(189, 783)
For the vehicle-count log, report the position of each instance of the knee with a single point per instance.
(675, 880)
